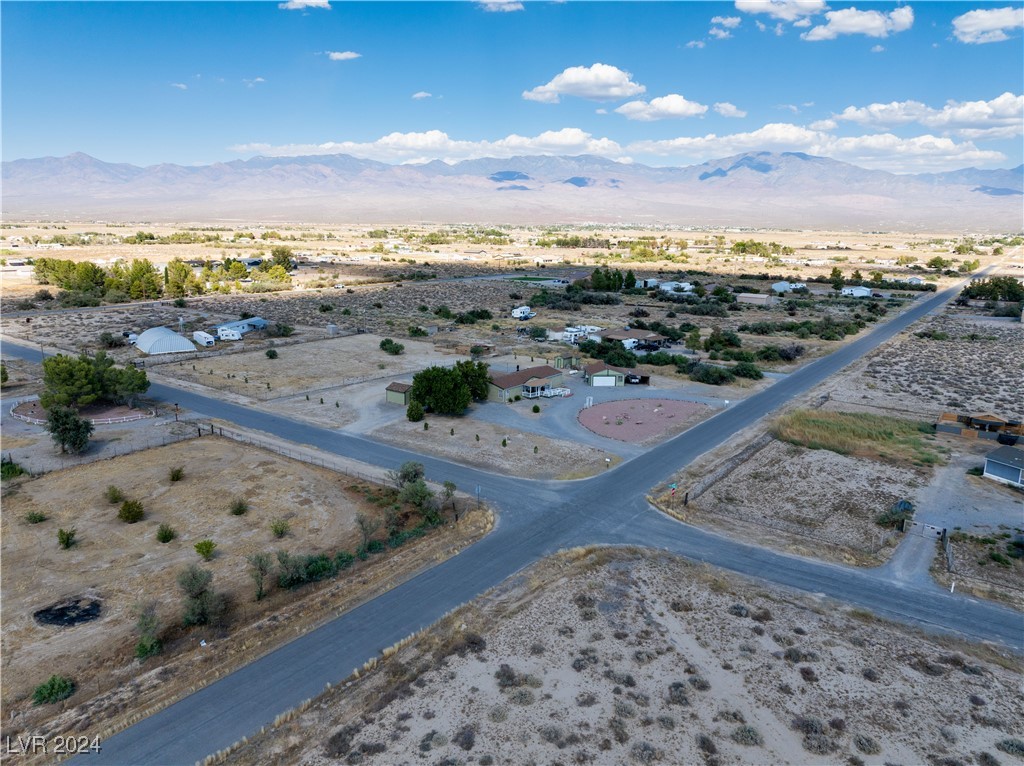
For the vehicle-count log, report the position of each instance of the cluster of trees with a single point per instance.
(391, 347)
(79, 381)
(609, 280)
(995, 289)
(575, 242)
(447, 390)
(765, 249)
(826, 328)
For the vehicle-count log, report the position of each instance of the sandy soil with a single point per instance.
(124, 565)
(642, 421)
(315, 366)
(524, 454)
(619, 656)
(919, 375)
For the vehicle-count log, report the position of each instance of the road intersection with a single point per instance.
(535, 519)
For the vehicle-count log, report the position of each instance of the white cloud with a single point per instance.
(301, 5)
(789, 108)
(877, 48)
(600, 111)
(720, 34)
(422, 94)
(726, 109)
(882, 150)
(850, 21)
(987, 25)
(600, 82)
(343, 55)
(696, 44)
(729, 22)
(253, 82)
(784, 10)
(179, 85)
(1000, 117)
(501, 6)
(435, 144)
(672, 106)
(824, 125)
(802, 23)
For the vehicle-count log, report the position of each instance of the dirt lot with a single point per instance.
(524, 454)
(975, 370)
(123, 565)
(816, 502)
(313, 366)
(620, 656)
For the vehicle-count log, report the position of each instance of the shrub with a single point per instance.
(9, 469)
(710, 374)
(66, 537)
(391, 347)
(866, 744)
(202, 604)
(147, 626)
(131, 511)
(177, 473)
(1011, 746)
(325, 307)
(536, 408)
(414, 412)
(239, 506)
(35, 517)
(114, 495)
(205, 549)
(271, 353)
(747, 370)
(57, 688)
(165, 533)
(279, 527)
(746, 735)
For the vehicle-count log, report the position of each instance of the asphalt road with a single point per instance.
(535, 519)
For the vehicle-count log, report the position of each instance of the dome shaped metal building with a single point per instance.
(160, 340)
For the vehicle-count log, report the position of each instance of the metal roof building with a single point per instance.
(160, 340)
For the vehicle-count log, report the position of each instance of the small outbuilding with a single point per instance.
(398, 393)
(1006, 466)
(755, 299)
(603, 374)
(532, 381)
(566, 362)
(161, 340)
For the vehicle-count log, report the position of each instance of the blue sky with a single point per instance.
(907, 87)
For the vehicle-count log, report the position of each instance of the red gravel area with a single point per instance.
(642, 420)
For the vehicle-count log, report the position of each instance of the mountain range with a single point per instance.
(788, 189)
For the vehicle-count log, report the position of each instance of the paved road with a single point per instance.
(536, 519)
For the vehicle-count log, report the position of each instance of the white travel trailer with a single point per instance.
(523, 313)
(203, 338)
(226, 333)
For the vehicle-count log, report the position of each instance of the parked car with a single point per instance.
(877, 295)
(633, 379)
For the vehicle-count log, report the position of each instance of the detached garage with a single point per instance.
(160, 340)
(601, 374)
(1005, 465)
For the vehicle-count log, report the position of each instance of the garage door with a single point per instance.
(602, 380)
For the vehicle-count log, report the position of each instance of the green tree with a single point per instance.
(474, 375)
(856, 276)
(236, 271)
(414, 412)
(368, 527)
(441, 390)
(69, 382)
(68, 430)
(938, 263)
(278, 273)
(148, 627)
(418, 494)
(629, 281)
(407, 472)
(282, 256)
(260, 565)
(202, 605)
(693, 341)
(177, 277)
(836, 278)
(876, 277)
(3, 374)
(448, 493)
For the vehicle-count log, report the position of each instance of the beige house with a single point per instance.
(528, 383)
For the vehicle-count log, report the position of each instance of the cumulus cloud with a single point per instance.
(343, 55)
(501, 6)
(726, 109)
(850, 21)
(254, 82)
(880, 150)
(600, 82)
(877, 48)
(179, 85)
(672, 106)
(729, 22)
(422, 94)
(987, 25)
(696, 44)
(1001, 117)
(784, 10)
(301, 5)
(824, 125)
(435, 144)
(720, 34)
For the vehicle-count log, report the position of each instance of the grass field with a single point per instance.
(848, 433)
